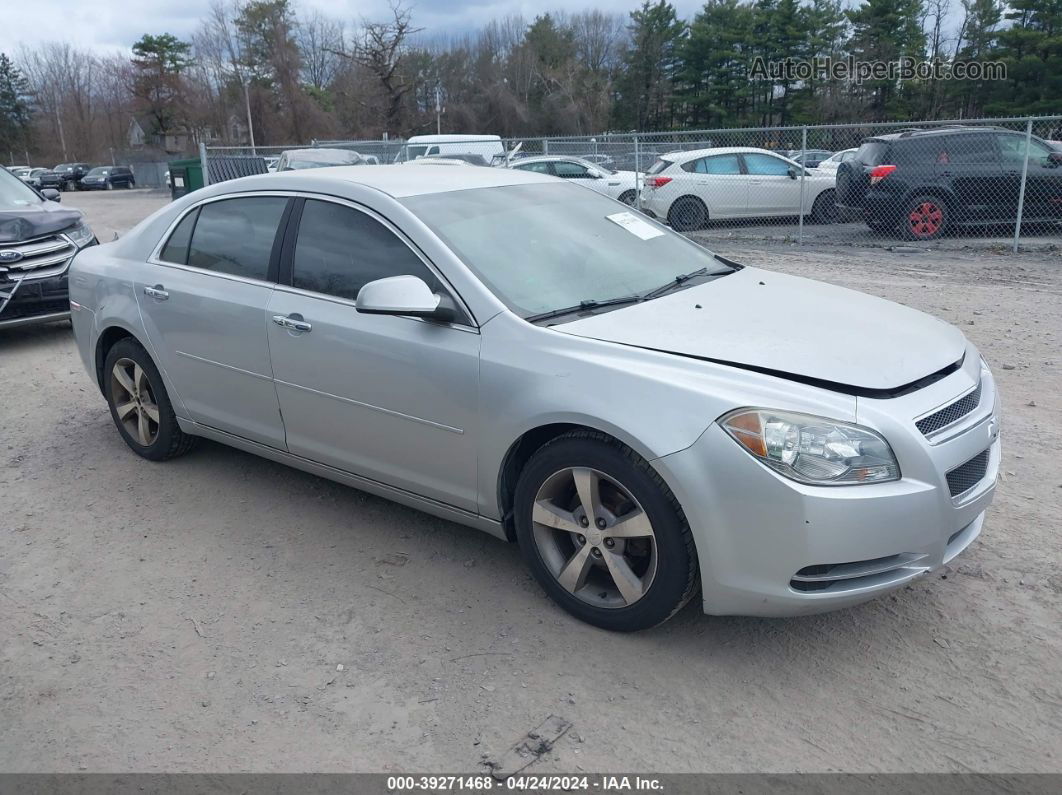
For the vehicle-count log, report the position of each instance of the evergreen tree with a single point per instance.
(14, 107)
(647, 83)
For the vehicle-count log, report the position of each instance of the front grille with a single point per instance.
(965, 476)
(857, 574)
(41, 252)
(950, 413)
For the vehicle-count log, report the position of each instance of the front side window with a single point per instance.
(340, 249)
(570, 170)
(766, 165)
(538, 168)
(235, 236)
(1013, 149)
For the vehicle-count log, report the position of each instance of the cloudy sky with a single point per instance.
(108, 25)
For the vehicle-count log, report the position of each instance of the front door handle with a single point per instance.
(293, 322)
(157, 292)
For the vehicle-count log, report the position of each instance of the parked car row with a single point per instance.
(76, 176)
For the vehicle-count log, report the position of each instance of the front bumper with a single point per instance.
(769, 546)
(36, 301)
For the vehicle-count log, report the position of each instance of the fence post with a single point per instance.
(637, 174)
(203, 163)
(803, 172)
(545, 146)
(1024, 177)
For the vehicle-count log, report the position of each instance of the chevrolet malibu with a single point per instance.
(512, 352)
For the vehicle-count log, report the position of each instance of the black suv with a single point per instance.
(107, 178)
(70, 175)
(38, 239)
(926, 183)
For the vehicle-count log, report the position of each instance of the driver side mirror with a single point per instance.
(52, 195)
(403, 295)
(1054, 159)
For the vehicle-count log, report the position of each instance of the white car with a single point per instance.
(488, 146)
(689, 189)
(621, 185)
(833, 161)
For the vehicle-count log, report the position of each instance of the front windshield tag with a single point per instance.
(638, 227)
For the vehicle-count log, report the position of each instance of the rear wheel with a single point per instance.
(627, 197)
(139, 405)
(924, 218)
(603, 534)
(687, 214)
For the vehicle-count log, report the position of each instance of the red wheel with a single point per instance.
(925, 218)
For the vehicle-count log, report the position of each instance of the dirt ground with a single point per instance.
(194, 615)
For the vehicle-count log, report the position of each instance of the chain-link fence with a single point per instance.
(985, 182)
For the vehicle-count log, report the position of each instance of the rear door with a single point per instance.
(969, 163)
(719, 181)
(394, 399)
(204, 308)
(771, 190)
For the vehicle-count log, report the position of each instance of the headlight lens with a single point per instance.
(81, 234)
(812, 449)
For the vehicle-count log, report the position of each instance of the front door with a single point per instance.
(772, 191)
(394, 399)
(718, 180)
(204, 309)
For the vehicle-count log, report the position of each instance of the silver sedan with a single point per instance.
(497, 347)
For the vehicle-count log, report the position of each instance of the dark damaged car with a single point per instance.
(38, 239)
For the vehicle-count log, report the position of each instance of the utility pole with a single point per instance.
(247, 106)
(438, 110)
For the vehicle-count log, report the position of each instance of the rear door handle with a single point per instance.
(157, 292)
(292, 322)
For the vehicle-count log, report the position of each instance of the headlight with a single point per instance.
(812, 449)
(81, 234)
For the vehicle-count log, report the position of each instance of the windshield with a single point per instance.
(544, 247)
(14, 193)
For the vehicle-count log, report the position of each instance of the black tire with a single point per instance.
(687, 214)
(824, 210)
(169, 440)
(627, 197)
(109, 185)
(676, 577)
(924, 217)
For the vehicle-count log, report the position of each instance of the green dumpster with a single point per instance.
(185, 176)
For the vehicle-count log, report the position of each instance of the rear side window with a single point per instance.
(539, 168)
(972, 149)
(176, 248)
(567, 170)
(873, 153)
(235, 236)
(340, 249)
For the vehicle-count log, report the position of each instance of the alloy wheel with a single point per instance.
(134, 402)
(925, 219)
(594, 537)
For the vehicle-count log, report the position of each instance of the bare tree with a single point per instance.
(320, 39)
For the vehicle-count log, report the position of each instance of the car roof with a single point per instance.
(394, 180)
(937, 131)
(693, 154)
(442, 139)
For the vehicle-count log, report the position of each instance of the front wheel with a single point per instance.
(110, 185)
(139, 405)
(603, 534)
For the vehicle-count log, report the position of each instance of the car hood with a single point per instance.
(787, 326)
(35, 220)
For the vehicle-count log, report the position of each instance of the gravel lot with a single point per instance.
(192, 616)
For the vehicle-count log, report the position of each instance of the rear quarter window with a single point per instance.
(873, 153)
(659, 166)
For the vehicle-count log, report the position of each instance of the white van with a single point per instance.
(488, 146)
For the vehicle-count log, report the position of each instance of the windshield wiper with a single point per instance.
(679, 280)
(584, 306)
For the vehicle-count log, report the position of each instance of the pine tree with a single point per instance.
(14, 107)
(647, 84)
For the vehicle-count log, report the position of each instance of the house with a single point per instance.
(140, 135)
